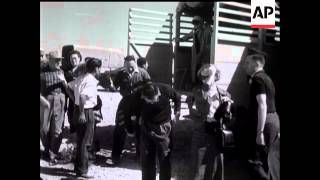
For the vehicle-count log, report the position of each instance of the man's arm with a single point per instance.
(82, 100)
(186, 36)
(66, 87)
(176, 97)
(172, 94)
(117, 79)
(69, 92)
(262, 115)
(44, 101)
(145, 75)
(191, 102)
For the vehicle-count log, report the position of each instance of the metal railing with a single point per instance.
(272, 36)
(146, 27)
(232, 25)
(183, 26)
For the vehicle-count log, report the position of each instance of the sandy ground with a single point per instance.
(129, 168)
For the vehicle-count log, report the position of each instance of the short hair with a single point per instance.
(257, 55)
(87, 59)
(92, 64)
(141, 61)
(258, 58)
(150, 90)
(129, 58)
(75, 52)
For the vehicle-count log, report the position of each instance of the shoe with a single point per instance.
(86, 176)
(112, 163)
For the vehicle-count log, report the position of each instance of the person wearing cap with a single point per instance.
(142, 63)
(152, 104)
(85, 100)
(201, 35)
(264, 129)
(52, 93)
(126, 79)
(205, 147)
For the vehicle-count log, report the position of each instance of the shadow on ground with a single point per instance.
(57, 171)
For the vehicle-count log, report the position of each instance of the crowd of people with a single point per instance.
(144, 112)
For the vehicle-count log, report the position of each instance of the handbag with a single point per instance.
(223, 115)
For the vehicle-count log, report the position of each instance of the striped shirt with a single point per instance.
(49, 80)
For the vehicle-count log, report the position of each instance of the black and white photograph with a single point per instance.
(151, 90)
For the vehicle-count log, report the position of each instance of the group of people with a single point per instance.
(264, 130)
(144, 112)
(74, 91)
(79, 97)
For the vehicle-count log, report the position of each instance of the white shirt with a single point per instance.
(85, 85)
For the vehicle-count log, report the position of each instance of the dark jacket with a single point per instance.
(159, 112)
(156, 118)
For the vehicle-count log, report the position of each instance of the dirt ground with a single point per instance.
(129, 168)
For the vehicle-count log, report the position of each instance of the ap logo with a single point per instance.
(263, 13)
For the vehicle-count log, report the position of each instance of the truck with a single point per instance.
(232, 38)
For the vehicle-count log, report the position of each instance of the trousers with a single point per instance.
(206, 158)
(119, 133)
(85, 132)
(155, 148)
(259, 154)
(52, 124)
